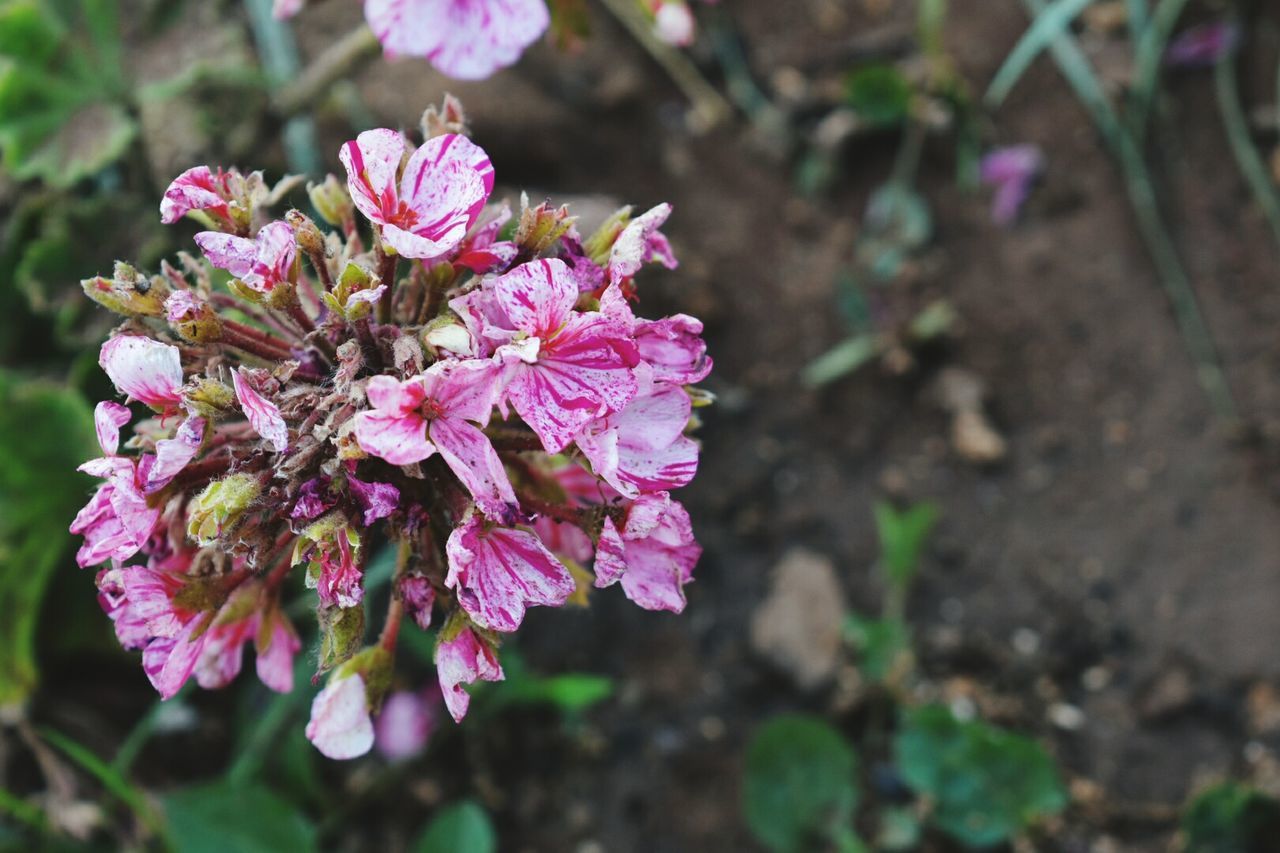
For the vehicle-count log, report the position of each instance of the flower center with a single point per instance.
(403, 216)
(431, 409)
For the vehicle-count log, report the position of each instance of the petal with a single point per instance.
(372, 160)
(466, 389)
(108, 417)
(674, 348)
(340, 726)
(143, 369)
(173, 454)
(262, 414)
(465, 659)
(403, 726)
(639, 243)
(195, 189)
(438, 177)
(391, 396)
(376, 500)
(399, 439)
(499, 572)
(470, 455)
(236, 255)
(275, 659)
(538, 296)
(468, 40)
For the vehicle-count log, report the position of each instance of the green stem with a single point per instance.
(1252, 167)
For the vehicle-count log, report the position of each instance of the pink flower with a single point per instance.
(640, 243)
(314, 499)
(432, 412)
(198, 189)
(1204, 44)
(482, 252)
(173, 454)
(340, 726)
(376, 500)
(438, 199)
(406, 722)
(263, 415)
(462, 659)
(1011, 171)
(653, 555)
(674, 348)
(261, 263)
(282, 10)
(673, 23)
(466, 39)
(240, 620)
(117, 522)
(339, 583)
(419, 597)
(643, 447)
(145, 370)
(564, 367)
(498, 572)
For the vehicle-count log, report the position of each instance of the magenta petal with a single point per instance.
(419, 597)
(173, 454)
(340, 726)
(465, 389)
(262, 414)
(236, 255)
(674, 348)
(499, 572)
(170, 661)
(108, 417)
(195, 189)
(639, 243)
(642, 448)
(404, 725)
(537, 297)
(372, 161)
(376, 500)
(653, 556)
(275, 660)
(465, 659)
(447, 180)
(143, 369)
(465, 39)
(470, 455)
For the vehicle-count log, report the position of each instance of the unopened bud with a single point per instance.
(446, 334)
(310, 240)
(341, 633)
(192, 318)
(541, 226)
(600, 243)
(128, 292)
(209, 398)
(332, 201)
(220, 506)
(449, 118)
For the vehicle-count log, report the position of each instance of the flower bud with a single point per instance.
(541, 226)
(449, 118)
(340, 725)
(209, 398)
(332, 201)
(600, 243)
(192, 318)
(446, 334)
(128, 292)
(310, 240)
(341, 633)
(220, 506)
(353, 295)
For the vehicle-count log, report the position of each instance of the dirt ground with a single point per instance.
(1130, 544)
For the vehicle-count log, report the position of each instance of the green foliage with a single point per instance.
(880, 643)
(800, 784)
(61, 89)
(1231, 818)
(986, 784)
(897, 223)
(461, 828)
(46, 431)
(112, 780)
(570, 693)
(1053, 22)
(903, 534)
(879, 94)
(223, 817)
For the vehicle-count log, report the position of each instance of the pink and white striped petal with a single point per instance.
(263, 415)
(144, 369)
(498, 572)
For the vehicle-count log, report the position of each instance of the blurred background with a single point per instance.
(988, 497)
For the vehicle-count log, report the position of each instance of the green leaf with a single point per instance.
(228, 818)
(879, 94)
(28, 32)
(1047, 26)
(986, 784)
(897, 223)
(112, 780)
(880, 644)
(46, 431)
(571, 692)
(461, 828)
(800, 784)
(1231, 818)
(902, 538)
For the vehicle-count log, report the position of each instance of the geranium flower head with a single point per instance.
(466, 39)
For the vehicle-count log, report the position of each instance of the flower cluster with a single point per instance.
(470, 388)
